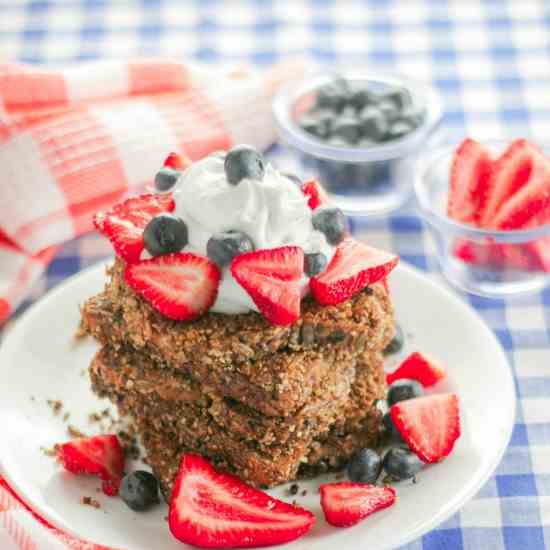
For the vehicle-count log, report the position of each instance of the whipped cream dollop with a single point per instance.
(272, 211)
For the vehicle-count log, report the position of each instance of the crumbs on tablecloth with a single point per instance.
(89, 501)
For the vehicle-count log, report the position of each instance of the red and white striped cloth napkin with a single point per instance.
(75, 141)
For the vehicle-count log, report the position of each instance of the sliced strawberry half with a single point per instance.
(510, 173)
(354, 266)
(530, 203)
(420, 367)
(100, 455)
(272, 279)
(315, 193)
(345, 504)
(210, 509)
(470, 173)
(177, 162)
(181, 286)
(430, 425)
(123, 225)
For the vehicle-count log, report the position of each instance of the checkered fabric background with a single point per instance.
(491, 62)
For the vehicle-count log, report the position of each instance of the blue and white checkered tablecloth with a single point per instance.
(491, 62)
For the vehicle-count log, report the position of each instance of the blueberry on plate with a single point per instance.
(314, 263)
(401, 464)
(332, 222)
(365, 466)
(397, 342)
(243, 162)
(347, 128)
(139, 490)
(165, 234)
(399, 129)
(165, 179)
(404, 389)
(391, 430)
(374, 125)
(221, 248)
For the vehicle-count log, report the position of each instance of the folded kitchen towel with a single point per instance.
(75, 141)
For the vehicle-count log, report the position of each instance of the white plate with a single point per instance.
(40, 360)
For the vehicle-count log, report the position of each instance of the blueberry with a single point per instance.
(365, 466)
(404, 389)
(388, 109)
(360, 97)
(293, 178)
(243, 162)
(332, 222)
(314, 126)
(400, 97)
(331, 96)
(223, 247)
(401, 464)
(397, 343)
(373, 124)
(165, 234)
(338, 141)
(139, 490)
(347, 128)
(165, 179)
(314, 263)
(391, 430)
(413, 116)
(399, 129)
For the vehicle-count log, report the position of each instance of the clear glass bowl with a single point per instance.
(366, 180)
(494, 264)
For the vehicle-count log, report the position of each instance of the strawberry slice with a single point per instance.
(529, 203)
(315, 193)
(430, 425)
(511, 171)
(182, 286)
(470, 172)
(354, 266)
(210, 509)
(177, 162)
(272, 279)
(123, 225)
(419, 367)
(100, 455)
(345, 504)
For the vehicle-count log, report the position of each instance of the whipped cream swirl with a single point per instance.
(273, 212)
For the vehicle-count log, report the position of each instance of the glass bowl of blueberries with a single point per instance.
(360, 135)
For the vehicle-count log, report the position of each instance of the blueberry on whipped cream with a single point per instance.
(166, 179)
(230, 234)
(238, 203)
(243, 162)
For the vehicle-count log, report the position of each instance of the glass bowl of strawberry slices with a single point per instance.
(360, 134)
(487, 206)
